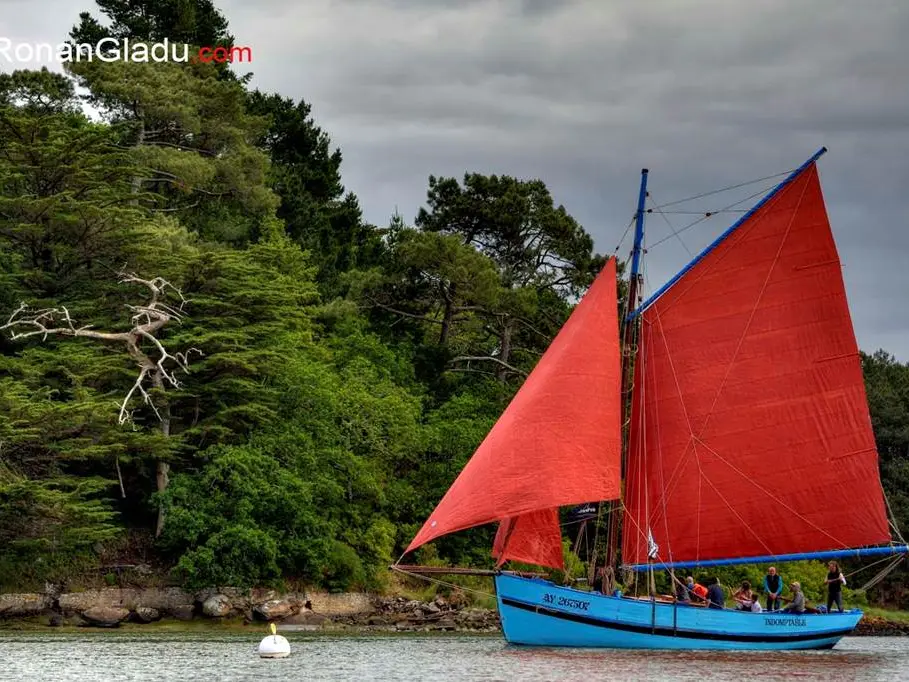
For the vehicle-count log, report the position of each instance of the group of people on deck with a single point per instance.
(748, 599)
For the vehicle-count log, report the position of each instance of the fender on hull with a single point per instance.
(539, 613)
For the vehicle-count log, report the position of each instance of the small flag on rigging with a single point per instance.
(653, 549)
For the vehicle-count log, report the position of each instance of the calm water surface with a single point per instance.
(124, 655)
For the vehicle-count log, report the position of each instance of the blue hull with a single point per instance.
(539, 613)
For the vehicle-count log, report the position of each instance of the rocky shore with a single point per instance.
(875, 626)
(109, 608)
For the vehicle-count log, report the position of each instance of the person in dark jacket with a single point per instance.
(835, 582)
(773, 587)
(716, 598)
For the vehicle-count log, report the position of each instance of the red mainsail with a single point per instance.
(557, 443)
(750, 430)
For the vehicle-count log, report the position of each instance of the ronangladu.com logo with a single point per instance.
(114, 50)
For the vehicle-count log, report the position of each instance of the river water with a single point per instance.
(149, 655)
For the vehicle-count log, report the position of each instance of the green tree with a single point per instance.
(65, 189)
(516, 223)
(316, 211)
(544, 257)
(191, 134)
(196, 22)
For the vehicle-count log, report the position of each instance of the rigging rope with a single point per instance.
(726, 189)
(624, 234)
(443, 582)
(710, 214)
(671, 228)
(883, 573)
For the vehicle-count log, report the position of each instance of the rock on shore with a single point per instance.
(400, 614)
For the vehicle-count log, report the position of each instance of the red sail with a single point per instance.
(534, 538)
(558, 441)
(750, 429)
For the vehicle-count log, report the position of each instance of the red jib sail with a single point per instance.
(750, 430)
(556, 444)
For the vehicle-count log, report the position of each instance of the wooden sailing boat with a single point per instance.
(748, 433)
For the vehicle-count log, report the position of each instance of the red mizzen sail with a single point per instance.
(557, 443)
(750, 430)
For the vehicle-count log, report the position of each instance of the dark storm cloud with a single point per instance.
(582, 94)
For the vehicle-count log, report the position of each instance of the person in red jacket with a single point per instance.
(698, 591)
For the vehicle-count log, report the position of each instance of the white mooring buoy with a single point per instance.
(274, 645)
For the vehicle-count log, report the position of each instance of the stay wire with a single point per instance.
(726, 189)
(624, 234)
(672, 229)
(710, 214)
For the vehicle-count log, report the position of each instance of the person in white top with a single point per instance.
(756, 605)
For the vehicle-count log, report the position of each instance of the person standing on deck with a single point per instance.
(716, 599)
(773, 586)
(835, 581)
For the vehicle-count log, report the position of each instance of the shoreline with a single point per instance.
(231, 609)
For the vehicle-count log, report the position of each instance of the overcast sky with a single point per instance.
(584, 93)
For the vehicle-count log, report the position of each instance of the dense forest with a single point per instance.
(212, 365)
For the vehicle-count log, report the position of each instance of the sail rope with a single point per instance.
(883, 573)
(772, 496)
(727, 188)
(709, 214)
(892, 519)
(442, 582)
(624, 234)
(672, 229)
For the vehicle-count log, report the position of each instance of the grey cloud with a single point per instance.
(582, 94)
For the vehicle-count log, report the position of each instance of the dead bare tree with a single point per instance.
(153, 366)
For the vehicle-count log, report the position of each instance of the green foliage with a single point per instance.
(197, 22)
(516, 223)
(190, 133)
(347, 373)
(243, 519)
(65, 191)
(316, 212)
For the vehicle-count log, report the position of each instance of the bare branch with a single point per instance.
(147, 319)
(487, 358)
(425, 318)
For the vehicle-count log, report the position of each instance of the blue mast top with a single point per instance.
(639, 229)
(792, 176)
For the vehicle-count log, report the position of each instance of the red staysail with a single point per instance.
(556, 444)
(533, 538)
(750, 430)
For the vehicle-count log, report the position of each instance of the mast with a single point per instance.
(628, 336)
